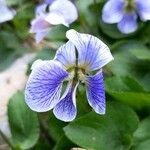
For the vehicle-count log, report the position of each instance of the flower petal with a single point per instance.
(66, 55)
(49, 1)
(56, 19)
(6, 14)
(96, 93)
(113, 11)
(93, 54)
(44, 85)
(41, 9)
(40, 35)
(39, 25)
(66, 110)
(64, 8)
(128, 24)
(143, 8)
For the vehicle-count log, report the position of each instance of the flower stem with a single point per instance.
(44, 130)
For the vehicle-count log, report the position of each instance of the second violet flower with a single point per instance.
(125, 13)
(51, 13)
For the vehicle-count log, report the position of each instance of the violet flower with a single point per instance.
(6, 13)
(125, 13)
(50, 13)
(74, 63)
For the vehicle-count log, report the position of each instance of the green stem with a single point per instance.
(45, 132)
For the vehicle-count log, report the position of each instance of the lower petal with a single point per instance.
(128, 24)
(143, 9)
(66, 110)
(96, 93)
(44, 85)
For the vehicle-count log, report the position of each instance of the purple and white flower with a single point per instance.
(6, 13)
(74, 62)
(50, 13)
(125, 13)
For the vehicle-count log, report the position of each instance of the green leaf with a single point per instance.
(63, 144)
(23, 122)
(55, 34)
(55, 127)
(14, 2)
(142, 132)
(128, 90)
(141, 52)
(10, 49)
(126, 64)
(122, 84)
(45, 54)
(113, 131)
(142, 135)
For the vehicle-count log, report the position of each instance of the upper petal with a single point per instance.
(49, 1)
(113, 11)
(65, 9)
(66, 55)
(44, 85)
(96, 93)
(6, 14)
(128, 24)
(143, 9)
(93, 54)
(41, 9)
(56, 19)
(66, 110)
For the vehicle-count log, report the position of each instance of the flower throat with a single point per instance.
(129, 5)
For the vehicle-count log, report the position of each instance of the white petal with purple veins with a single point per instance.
(44, 85)
(113, 11)
(143, 9)
(128, 24)
(96, 93)
(65, 9)
(66, 55)
(93, 54)
(66, 110)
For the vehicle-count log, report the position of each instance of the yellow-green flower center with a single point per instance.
(81, 74)
(129, 5)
